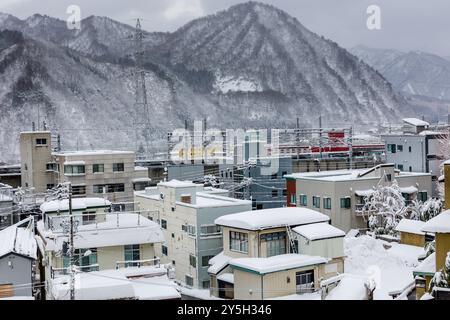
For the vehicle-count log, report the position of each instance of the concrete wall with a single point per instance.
(19, 273)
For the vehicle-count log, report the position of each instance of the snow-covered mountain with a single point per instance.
(252, 65)
(413, 73)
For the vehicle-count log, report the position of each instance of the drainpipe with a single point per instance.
(262, 287)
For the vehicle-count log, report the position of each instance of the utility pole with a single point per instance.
(320, 136)
(297, 145)
(350, 154)
(72, 248)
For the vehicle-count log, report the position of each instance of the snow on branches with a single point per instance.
(386, 207)
(426, 210)
(441, 279)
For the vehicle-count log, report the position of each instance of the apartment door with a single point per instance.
(304, 281)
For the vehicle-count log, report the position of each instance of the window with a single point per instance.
(274, 193)
(173, 235)
(164, 250)
(41, 142)
(345, 203)
(132, 253)
(74, 169)
(389, 177)
(163, 224)
(399, 148)
(410, 149)
(118, 187)
(78, 190)
(274, 176)
(118, 167)
(283, 174)
(238, 241)
(304, 281)
(327, 203)
(422, 196)
(410, 169)
(275, 243)
(98, 188)
(210, 230)
(400, 167)
(87, 263)
(89, 217)
(293, 199)
(206, 284)
(303, 200)
(392, 148)
(192, 261)
(189, 281)
(316, 202)
(284, 192)
(51, 166)
(191, 230)
(205, 260)
(97, 168)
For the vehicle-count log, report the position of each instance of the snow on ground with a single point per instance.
(305, 296)
(231, 84)
(202, 294)
(390, 268)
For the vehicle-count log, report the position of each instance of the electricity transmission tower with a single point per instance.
(142, 116)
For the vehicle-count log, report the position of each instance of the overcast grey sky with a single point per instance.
(405, 24)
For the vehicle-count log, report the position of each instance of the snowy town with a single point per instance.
(104, 225)
(238, 156)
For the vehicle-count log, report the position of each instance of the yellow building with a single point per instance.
(275, 252)
(440, 226)
(411, 233)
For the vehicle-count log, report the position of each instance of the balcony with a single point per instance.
(56, 272)
(138, 263)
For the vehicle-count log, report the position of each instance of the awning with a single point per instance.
(409, 190)
(364, 193)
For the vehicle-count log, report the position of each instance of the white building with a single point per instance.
(186, 213)
(341, 194)
(119, 245)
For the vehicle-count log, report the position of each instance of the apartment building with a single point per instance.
(114, 245)
(341, 194)
(105, 173)
(415, 149)
(275, 252)
(186, 213)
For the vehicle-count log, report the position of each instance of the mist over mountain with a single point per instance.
(251, 66)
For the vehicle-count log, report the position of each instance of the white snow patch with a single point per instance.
(231, 84)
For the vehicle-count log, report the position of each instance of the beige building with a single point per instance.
(275, 252)
(186, 213)
(100, 173)
(103, 240)
(341, 194)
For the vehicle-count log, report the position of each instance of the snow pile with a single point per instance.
(77, 204)
(232, 84)
(349, 288)
(391, 269)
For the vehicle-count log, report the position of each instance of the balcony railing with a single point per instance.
(138, 263)
(55, 272)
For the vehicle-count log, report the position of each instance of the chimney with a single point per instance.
(447, 184)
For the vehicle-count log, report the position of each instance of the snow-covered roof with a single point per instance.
(136, 180)
(410, 226)
(427, 266)
(91, 153)
(131, 229)
(439, 224)
(351, 287)
(145, 283)
(364, 193)
(178, 184)
(19, 240)
(416, 122)
(277, 263)
(206, 200)
(318, 231)
(77, 204)
(226, 277)
(138, 168)
(409, 190)
(219, 262)
(271, 218)
(75, 163)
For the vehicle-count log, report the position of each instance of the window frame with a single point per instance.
(238, 241)
(118, 167)
(102, 165)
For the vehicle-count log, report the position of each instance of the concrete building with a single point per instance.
(275, 252)
(6, 206)
(106, 173)
(103, 241)
(10, 175)
(341, 194)
(415, 150)
(186, 213)
(18, 252)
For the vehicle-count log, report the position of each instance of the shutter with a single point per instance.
(6, 290)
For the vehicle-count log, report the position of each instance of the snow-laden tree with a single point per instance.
(427, 210)
(385, 207)
(441, 278)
